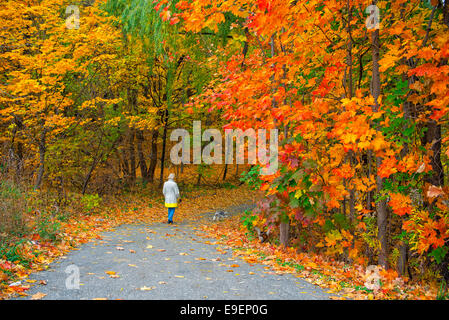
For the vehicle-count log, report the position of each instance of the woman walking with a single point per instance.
(171, 194)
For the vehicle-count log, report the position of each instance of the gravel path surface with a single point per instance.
(161, 261)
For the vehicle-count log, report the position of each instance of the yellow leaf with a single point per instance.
(145, 288)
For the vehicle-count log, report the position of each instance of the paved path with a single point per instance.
(163, 261)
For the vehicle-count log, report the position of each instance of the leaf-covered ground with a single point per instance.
(161, 261)
(349, 281)
(33, 254)
(143, 221)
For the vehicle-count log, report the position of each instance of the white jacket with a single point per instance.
(171, 193)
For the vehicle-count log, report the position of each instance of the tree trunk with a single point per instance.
(402, 266)
(381, 206)
(97, 157)
(142, 162)
(132, 105)
(446, 13)
(349, 90)
(225, 171)
(42, 150)
(284, 226)
(19, 160)
(198, 181)
(432, 137)
(284, 233)
(132, 158)
(153, 155)
(88, 176)
(164, 143)
(444, 266)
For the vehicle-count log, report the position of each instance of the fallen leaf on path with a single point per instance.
(38, 296)
(149, 246)
(132, 251)
(110, 272)
(144, 288)
(179, 276)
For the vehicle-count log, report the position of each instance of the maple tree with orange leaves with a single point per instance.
(362, 114)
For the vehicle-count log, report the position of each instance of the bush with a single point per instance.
(13, 205)
(91, 202)
(252, 177)
(228, 186)
(247, 219)
(48, 228)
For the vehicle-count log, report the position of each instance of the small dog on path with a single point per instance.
(220, 214)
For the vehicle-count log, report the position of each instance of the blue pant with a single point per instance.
(171, 212)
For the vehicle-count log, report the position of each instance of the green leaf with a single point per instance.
(438, 254)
